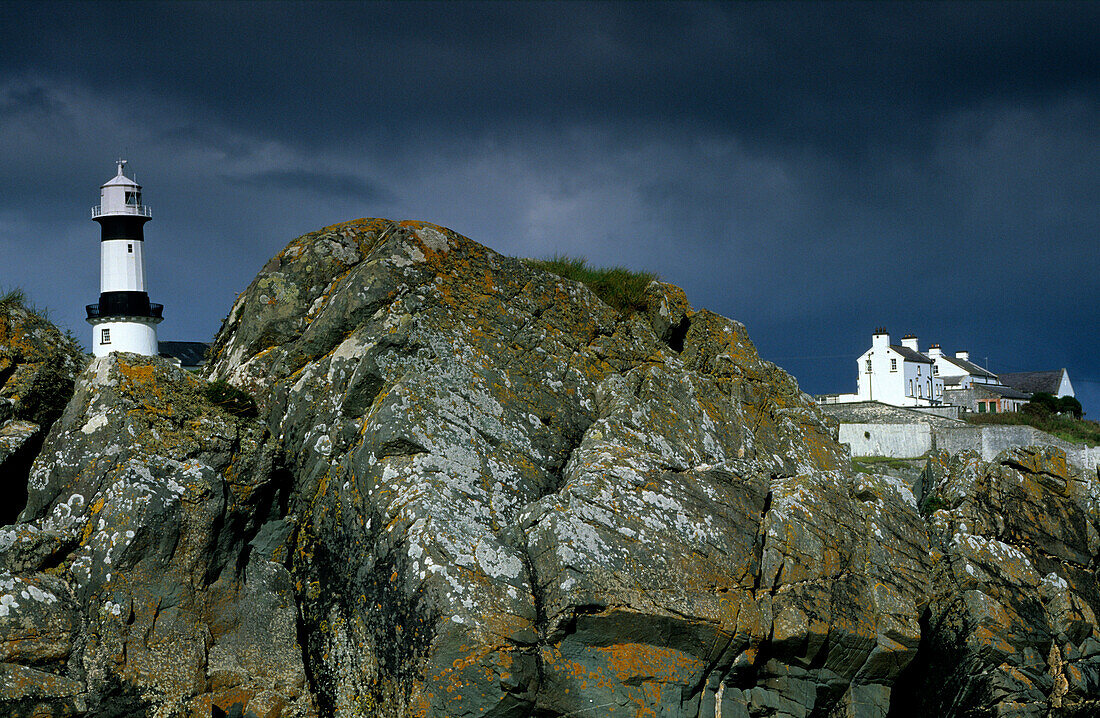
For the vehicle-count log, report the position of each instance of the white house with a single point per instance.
(958, 371)
(896, 374)
(903, 376)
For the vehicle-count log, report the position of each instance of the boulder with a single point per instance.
(38, 365)
(510, 497)
(1013, 621)
(474, 488)
(136, 536)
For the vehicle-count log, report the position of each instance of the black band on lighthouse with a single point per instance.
(124, 304)
(122, 227)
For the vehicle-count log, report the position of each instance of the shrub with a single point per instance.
(1043, 404)
(1064, 426)
(621, 288)
(1036, 409)
(932, 503)
(1048, 401)
(230, 399)
(1070, 405)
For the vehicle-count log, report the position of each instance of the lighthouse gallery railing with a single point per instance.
(156, 311)
(139, 210)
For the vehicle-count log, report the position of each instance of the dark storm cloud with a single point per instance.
(814, 169)
(831, 75)
(306, 183)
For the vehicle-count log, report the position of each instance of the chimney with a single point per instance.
(934, 352)
(881, 338)
(965, 356)
(909, 341)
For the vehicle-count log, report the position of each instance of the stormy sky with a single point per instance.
(813, 170)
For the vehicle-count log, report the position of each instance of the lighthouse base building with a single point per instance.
(124, 334)
(124, 320)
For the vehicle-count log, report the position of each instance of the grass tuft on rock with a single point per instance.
(230, 399)
(13, 298)
(619, 287)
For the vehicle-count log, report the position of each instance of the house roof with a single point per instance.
(1033, 381)
(188, 353)
(910, 355)
(969, 367)
(952, 380)
(1007, 392)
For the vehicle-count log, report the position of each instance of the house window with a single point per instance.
(993, 407)
(935, 370)
(104, 336)
(918, 369)
(893, 365)
(981, 407)
(910, 387)
(920, 391)
(868, 366)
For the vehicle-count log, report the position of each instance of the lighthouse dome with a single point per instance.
(120, 180)
(120, 195)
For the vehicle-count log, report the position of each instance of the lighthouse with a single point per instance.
(124, 320)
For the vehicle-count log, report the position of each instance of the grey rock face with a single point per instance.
(38, 364)
(131, 563)
(510, 498)
(474, 489)
(1013, 621)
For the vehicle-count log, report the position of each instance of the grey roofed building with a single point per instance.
(190, 355)
(911, 355)
(1007, 392)
(1051, 382)
(969, 367)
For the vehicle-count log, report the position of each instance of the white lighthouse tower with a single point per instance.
(124, 320)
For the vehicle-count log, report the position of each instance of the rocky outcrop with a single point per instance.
(1013, 620)
(144, 566)
(510, 498)
(474, 489)
(38, 364)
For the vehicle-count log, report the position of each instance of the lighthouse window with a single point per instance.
(104, 336)
(130, 248)
(133, 198)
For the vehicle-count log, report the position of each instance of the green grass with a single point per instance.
(13, 298)
(870, 464)
(230, 399)
(16, 298)
(932, 503)
(1076, 431)
(621, 288)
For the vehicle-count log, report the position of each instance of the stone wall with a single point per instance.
(991, 440)
(947, 411)
(906, 441)
(901, 441)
